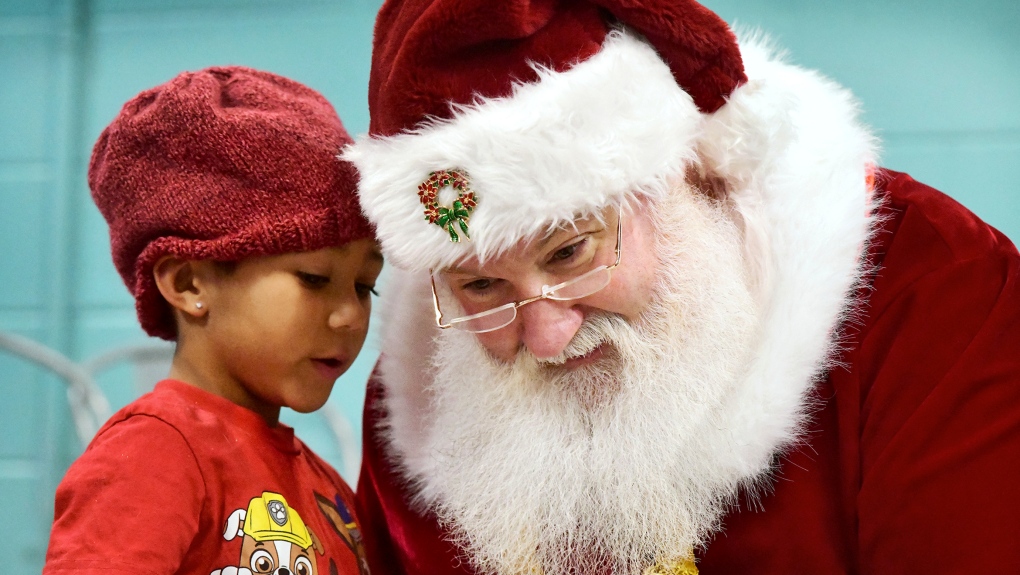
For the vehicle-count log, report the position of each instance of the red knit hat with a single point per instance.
(529, 113)
(222, 164)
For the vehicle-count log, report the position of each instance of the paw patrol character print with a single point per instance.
(342, 521)
(275, 539)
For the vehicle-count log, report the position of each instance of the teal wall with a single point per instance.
(939, 80)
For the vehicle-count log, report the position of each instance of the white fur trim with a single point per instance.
(788, 142)
(608, 130)
(405, 366)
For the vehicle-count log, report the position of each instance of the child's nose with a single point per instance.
(351, 313)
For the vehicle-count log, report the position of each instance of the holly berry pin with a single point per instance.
(450, 218)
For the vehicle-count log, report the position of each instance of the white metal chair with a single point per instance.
(150, 363)
(89, 407)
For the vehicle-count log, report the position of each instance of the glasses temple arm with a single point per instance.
(435, 302)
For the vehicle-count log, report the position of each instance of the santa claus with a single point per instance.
(657, 311)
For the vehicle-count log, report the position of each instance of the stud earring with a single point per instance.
(198, 305)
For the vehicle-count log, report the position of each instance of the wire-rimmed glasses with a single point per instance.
(581, 286)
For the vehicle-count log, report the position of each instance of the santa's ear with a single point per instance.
(235, 525)
(178, 281)
(710, 185)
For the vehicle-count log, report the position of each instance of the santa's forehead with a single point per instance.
(534, 244)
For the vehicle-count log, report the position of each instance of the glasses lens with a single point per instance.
(582, 286)
(577, 288)
(487, 320)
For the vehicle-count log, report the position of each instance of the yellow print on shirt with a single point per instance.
(275, 539)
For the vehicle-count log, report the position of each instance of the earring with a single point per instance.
(198, 305)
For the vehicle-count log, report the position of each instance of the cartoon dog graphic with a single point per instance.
(340, 518)
(276, 540)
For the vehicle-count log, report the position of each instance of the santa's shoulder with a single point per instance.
(923, 232)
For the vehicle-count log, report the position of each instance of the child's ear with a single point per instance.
(176, 280)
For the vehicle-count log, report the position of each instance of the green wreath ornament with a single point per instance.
(453, 217)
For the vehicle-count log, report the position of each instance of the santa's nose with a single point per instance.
(547, 326)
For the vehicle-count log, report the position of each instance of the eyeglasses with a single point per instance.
(582, 286)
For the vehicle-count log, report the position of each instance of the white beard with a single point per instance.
(616, 465)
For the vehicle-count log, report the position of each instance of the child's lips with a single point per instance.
(330, 367)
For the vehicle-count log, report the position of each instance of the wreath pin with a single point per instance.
(453, 217)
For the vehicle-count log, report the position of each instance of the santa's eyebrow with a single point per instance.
(544, 244)
(457, 270)
(574, 228)
(576, 231)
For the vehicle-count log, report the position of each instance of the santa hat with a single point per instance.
(496, 121)
(549, 109)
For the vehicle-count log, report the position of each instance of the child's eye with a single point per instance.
(365, 290)
(312, 280)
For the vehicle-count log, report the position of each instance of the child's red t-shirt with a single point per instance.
(183, 481)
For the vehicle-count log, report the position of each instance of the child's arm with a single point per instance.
(130, 504)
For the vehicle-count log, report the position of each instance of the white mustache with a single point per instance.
(596, 330)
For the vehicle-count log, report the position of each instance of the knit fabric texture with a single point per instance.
(221, 164)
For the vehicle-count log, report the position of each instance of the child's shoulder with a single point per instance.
(200, 422)
(171, 402)
(155, 429)
(209, 474)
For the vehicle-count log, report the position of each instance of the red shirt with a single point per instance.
(911, 464)
(158, 486)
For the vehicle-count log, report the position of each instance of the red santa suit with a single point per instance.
(883, 400)
(910, 460)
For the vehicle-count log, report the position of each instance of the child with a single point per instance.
(237, 230)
